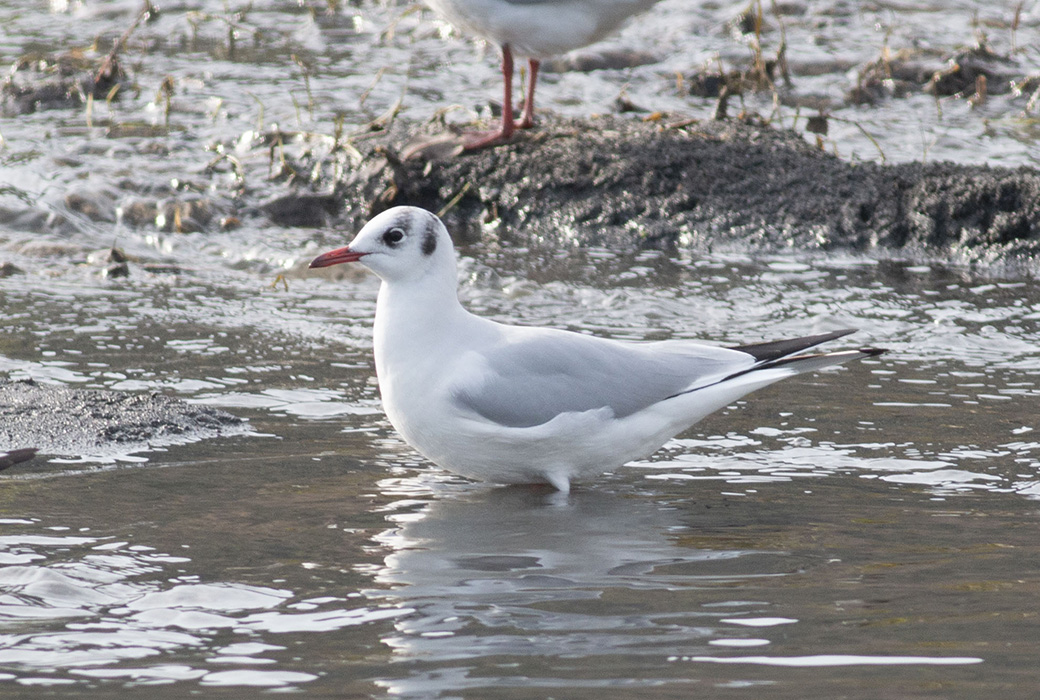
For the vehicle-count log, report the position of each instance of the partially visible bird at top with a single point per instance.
(536, 29)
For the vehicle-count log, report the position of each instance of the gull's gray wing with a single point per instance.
(540, 373)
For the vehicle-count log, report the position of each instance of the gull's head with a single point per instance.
(401, 244)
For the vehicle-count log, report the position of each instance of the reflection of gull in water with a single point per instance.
(515, 586)
(521, 572)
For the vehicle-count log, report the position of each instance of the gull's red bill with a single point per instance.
(335, 257)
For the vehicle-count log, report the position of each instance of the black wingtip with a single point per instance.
(769, 352)
(13, 457)
(873, 352)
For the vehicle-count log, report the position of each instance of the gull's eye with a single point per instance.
(393, 237)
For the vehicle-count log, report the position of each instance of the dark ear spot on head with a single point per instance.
(429, 241)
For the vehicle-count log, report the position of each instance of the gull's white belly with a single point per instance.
(569, 447)
(539, 30)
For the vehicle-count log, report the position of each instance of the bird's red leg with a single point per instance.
(505, 131)
(527, 119)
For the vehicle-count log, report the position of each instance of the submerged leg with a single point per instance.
(560, 481)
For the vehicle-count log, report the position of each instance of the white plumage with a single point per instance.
(514, 404)
(537, 29)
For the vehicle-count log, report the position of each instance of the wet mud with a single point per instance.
(740, 184)
(618, 181)
(56, 420)
(65, 81)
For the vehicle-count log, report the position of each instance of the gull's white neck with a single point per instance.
(412, 317)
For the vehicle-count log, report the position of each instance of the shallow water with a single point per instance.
(865, 532)
(868, 531)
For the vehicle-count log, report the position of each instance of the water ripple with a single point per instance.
(85, 606)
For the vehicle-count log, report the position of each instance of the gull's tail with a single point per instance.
(783, 353)
(777, 360)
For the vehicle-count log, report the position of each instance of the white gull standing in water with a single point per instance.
(514, 404)
(537, 29)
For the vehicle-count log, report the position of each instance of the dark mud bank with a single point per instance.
(57, 420)
(729, 184)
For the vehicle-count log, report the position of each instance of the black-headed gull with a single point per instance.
(514, 404)
(537, 29)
